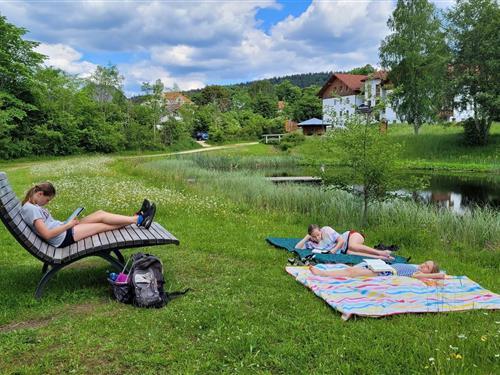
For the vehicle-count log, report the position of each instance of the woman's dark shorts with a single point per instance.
(68, 240)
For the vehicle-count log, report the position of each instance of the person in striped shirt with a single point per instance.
(427, 270)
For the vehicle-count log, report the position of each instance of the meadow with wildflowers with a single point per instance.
(244, 313)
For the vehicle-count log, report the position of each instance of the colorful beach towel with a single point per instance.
(389, 295)
(289, 244)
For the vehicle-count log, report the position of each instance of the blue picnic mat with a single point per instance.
(289, 244)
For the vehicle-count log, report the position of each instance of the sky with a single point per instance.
(194, 43)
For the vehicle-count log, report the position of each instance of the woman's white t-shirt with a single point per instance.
(32, 212)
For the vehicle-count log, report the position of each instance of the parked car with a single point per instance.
(202, 136)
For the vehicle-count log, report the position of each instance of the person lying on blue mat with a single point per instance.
(349, 242)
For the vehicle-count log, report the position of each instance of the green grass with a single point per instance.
(435, 148)
(245, 314)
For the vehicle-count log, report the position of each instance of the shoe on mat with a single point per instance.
(145, 206)
(148, 216)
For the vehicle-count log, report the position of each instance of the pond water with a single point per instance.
(460, 193)
(455, 192)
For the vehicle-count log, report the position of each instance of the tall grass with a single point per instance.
(416, 223)
(232, 163)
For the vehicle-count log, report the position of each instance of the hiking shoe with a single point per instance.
(145, 206)
(148, 216)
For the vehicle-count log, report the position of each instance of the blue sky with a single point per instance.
(193, 43)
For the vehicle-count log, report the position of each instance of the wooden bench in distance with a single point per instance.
(101, 245)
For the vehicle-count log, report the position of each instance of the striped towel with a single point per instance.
(389, 295)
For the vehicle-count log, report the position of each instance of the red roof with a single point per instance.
(352, 81)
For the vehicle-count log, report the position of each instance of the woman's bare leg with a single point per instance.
(348, 272)
(357, 247)
(104, 217)
(385, 257)
(84, 230)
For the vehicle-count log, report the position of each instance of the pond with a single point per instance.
(455, 192)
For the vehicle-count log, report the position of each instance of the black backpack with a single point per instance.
(146, 277)
(145, 283)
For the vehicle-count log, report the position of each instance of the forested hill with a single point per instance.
(301, 80)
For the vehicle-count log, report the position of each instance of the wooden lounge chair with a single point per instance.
(101, 245)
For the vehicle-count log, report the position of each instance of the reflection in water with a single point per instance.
(457, 193)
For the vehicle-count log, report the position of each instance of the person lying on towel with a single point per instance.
(350, 242)
(426, 270)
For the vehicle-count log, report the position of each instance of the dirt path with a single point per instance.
(205, 148)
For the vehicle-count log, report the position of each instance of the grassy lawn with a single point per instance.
(435, 148)
(244, 314)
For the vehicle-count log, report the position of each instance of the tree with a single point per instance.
(106, 83)
(287, 91)
(265, 105)
(57, 131)
(364, 70)
(216, 95)
(155, 102)
(474, 29)
(309, 105)
(18, 64)
(370, 159)
(417, 58)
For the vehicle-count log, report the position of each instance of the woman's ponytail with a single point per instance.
(46, 187)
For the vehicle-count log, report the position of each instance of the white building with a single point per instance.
(343, 93)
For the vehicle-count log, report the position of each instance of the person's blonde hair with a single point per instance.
(46, 187)
(435, 267)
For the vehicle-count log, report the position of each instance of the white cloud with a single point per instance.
(66, 58)
(196, 43)
(176, 55)
(143, 71)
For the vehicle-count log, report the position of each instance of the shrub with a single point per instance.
(291, 140)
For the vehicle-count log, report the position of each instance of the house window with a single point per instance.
(347, 101)
(340, 113)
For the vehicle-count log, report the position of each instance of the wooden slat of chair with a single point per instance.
(44, 248)
(163, 232)
(5, 199)
(73, 250)
(16, 211)
(136, 240)
(111, 238)
(96, 241)
(155, 233)
(81, 247)
(104, 240)
(57, 255)
(5, 190)
(119, 238)
(65, 254)
(11, 205)
(139, 232)
(150, 237)
(88, 245)
(125, 235)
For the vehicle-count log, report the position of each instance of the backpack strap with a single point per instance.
(173, 295)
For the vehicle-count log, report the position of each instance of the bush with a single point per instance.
(291, 140)
(475, 134)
